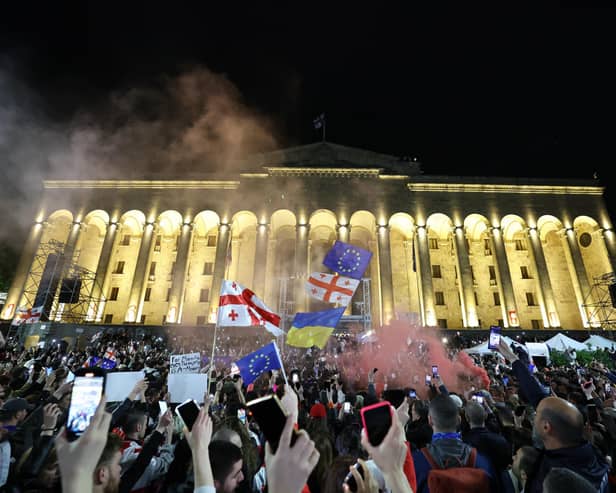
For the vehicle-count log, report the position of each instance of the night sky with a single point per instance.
(465, 92)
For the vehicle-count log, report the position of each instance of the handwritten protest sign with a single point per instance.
(185, 363)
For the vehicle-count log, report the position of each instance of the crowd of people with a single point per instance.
(534, 427)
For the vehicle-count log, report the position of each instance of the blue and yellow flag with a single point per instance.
(313, 329)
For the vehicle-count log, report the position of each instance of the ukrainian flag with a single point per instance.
(313, 329)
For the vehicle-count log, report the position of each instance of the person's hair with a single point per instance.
(444, 413)
(528, 459)
(223, 455)
(421, 408)
(323, 444)
(475, 413)
(336, 474)
(113, 445)
(225, 434)
(132, 420)
(250, 454)
(566, 431)
(561, 479)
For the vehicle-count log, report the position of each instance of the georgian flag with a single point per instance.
(331, 288)
(27, 316)
(240, 307)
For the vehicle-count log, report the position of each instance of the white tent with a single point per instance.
(539, 349)
(561, 342)
(599, 342)
(533, 348)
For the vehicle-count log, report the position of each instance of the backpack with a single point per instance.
(455, 476)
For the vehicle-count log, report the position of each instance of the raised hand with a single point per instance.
(389, 455)
(78, 459)
(288, 469)
(289, 402)
(50, 418)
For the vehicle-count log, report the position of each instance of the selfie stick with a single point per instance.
(281, 365)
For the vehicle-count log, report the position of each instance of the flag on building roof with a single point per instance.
(313, 329)
(27, 315)
(263, 359)
(331, 288)
(319, 121)
(347, 260)
(240, 307)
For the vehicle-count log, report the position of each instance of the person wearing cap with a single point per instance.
(12, 414)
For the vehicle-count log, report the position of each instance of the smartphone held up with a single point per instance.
(377, 420)
(86, 395)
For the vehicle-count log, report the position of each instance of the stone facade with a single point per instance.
(456, 252)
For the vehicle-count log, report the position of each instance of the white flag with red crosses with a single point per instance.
(240, 307)
(331, 288)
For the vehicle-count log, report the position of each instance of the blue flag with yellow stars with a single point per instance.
(261, 360)
(347, 260)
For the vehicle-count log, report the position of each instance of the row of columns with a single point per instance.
(426, 293)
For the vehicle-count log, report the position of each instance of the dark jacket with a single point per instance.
(490, 445)
(442, 450)
(584, 460)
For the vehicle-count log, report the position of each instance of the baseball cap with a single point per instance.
(16, 404)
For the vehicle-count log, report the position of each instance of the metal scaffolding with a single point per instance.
(598, 302)
(85, 306)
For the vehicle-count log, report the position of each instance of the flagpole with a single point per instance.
(284, 374)
(209, 374)
(324, 124)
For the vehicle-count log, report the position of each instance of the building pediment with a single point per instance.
(328, 155)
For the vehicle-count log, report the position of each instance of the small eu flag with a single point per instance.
(264, 359)
(347, 260)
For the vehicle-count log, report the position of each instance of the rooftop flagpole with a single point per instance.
(324, 124)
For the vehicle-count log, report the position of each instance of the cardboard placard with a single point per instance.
(119, 384)
(184, 386)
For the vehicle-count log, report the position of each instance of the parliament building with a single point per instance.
(448, 251)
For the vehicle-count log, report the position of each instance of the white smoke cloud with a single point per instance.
(195, 122)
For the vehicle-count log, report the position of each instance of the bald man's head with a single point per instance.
(559, 423)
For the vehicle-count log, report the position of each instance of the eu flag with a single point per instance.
(264, 359)
(347, 260)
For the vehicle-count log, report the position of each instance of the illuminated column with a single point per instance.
(23, 268)
(135, 299)
(467, 294)
(222, 244)
(102, 268)
(425, 272)
(547, 304)
(260, 259)
(387, 287)
(510, 312)
(176, 296)
(301, 265)
(344, 232)
(69, 248)
(609, 239)
(577, 271)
